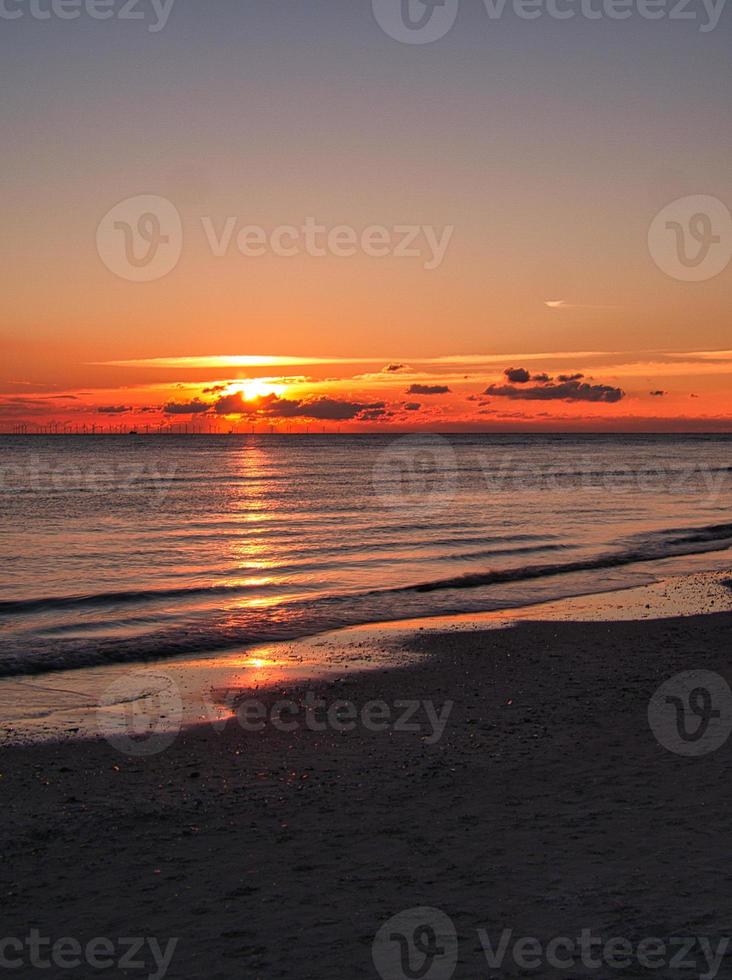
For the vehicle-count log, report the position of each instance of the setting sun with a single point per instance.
(255, 388)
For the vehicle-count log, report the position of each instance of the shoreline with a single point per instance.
(65, 705)
(546, 805)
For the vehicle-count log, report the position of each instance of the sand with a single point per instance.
(547, 806)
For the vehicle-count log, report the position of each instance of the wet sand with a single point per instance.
(547, 805)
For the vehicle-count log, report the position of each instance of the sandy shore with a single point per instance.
(544, 804)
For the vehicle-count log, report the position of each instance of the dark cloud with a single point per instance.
(196, 407)
(658, 394)
(570, 377)
(114, 409)
(325, 409)
(412, 406)
(333, 409)
(566, 391)
(517, 376)
(393, 368)
(233, 405)
(427, 390)
(520, 376)
(19, 406)
(214, 389)
(374, 415)
(72, 398)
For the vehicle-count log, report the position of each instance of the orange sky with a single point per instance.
(574, 390)
(534, 157)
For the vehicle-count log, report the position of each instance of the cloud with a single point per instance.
(114, 409)
(562, 304)
(233, 404)
(719, 357)
(331, 408)
(394, 368)
(214, 389)
(517, 376)
(564, 391)
(570, 377)
(196, 407)
(258, 361)
(427, 390)
(324, 409)
(374, 414)
(412, 406)
(658, 394)
(520, 376)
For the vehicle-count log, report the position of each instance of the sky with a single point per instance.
(278, 214)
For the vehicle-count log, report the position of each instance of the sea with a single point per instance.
(127, 548)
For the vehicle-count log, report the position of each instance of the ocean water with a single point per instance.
(127, 548)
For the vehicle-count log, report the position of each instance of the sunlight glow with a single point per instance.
(255, 388)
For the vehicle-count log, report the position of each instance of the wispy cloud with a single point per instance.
(562, 304)
(280, 360)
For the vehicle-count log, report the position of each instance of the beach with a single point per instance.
(545, 805)
(366, 490)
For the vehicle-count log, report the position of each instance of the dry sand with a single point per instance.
(547, 806)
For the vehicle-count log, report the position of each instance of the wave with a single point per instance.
(10, 607)
(30, 653)
(717, 536)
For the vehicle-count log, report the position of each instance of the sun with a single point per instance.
(256, 388)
